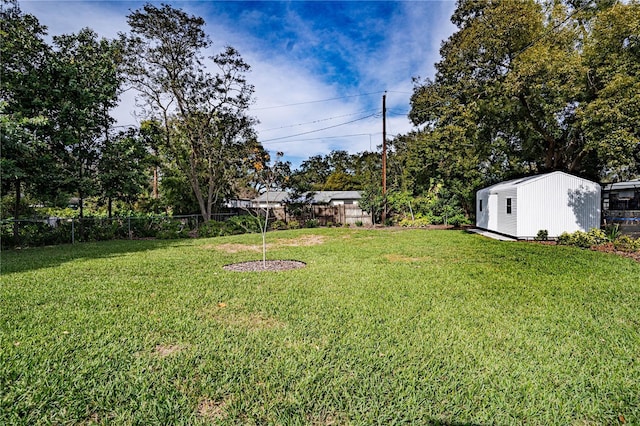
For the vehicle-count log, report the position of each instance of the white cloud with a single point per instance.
(283, 75)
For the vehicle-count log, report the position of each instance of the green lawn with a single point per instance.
(381, 327)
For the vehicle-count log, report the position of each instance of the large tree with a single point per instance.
(84, 82)
(207, 131)
(531, 87)
(23, 63)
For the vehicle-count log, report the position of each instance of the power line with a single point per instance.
(319, 130)
(323, 138)
(318, 101)
(317, 121)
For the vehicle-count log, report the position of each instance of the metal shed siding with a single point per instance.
(559, 203)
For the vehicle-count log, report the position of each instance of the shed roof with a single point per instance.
(513, 183)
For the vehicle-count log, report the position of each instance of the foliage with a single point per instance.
(123, 168)
(312, 223)
(171, 230)
(85, 87)
(336, 171)
(373, 202)
(279, 225)
(419, 221)
(543, 235)
(244, 224)
(526, 87)
(205, 127)
(210, 229)
(294, 224)
(613, 232)
(626, 243)
(583, 239)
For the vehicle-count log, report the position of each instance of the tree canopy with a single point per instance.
(526, 87)
(207, 132)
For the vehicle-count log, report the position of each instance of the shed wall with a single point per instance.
(558, 203)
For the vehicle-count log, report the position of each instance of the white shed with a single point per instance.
(556, 202)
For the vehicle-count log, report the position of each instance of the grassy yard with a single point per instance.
(381, 327)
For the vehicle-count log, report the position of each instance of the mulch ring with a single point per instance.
(268, 266)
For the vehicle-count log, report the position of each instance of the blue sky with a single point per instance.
(319, 68)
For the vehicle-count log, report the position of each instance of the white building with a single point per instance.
(556, 202)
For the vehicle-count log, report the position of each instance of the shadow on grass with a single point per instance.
(28, 259)
(445, 423)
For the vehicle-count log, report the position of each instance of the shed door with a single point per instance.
(492, 212)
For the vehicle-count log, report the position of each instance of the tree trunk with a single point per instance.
(109, 203)
(16, 213)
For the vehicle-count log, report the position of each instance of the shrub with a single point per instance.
(543, 235)
(597, 236)
(172, 229)
(242, 224)
(311, 223)
(583, 239)
(626, 243)
(279, 225)
(458, 220)
(358, 223)
(420, 221)
(294, 224)
(212, 228)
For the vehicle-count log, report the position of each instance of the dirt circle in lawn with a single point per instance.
(260, 266)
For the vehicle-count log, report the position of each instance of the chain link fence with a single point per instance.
(61, 230)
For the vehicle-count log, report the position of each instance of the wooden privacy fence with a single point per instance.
(342, 214)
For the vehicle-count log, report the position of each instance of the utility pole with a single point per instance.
(384, 157)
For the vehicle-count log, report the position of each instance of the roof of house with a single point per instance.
(272, 197)
(631, 184)
(318, 197)
(321, 197)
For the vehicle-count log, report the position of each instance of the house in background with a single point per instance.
(336, 198)
(271, 199)
(238, 203)
(556, 202)
(621, 206)
(621, 195)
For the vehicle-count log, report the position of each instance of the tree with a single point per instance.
(516, 82)
(84, 82)
(122, 168)
(207, 131)
(268, 178)
(23, 62)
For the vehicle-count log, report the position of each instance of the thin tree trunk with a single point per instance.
(16, 213)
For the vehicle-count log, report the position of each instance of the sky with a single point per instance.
(320, 68)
